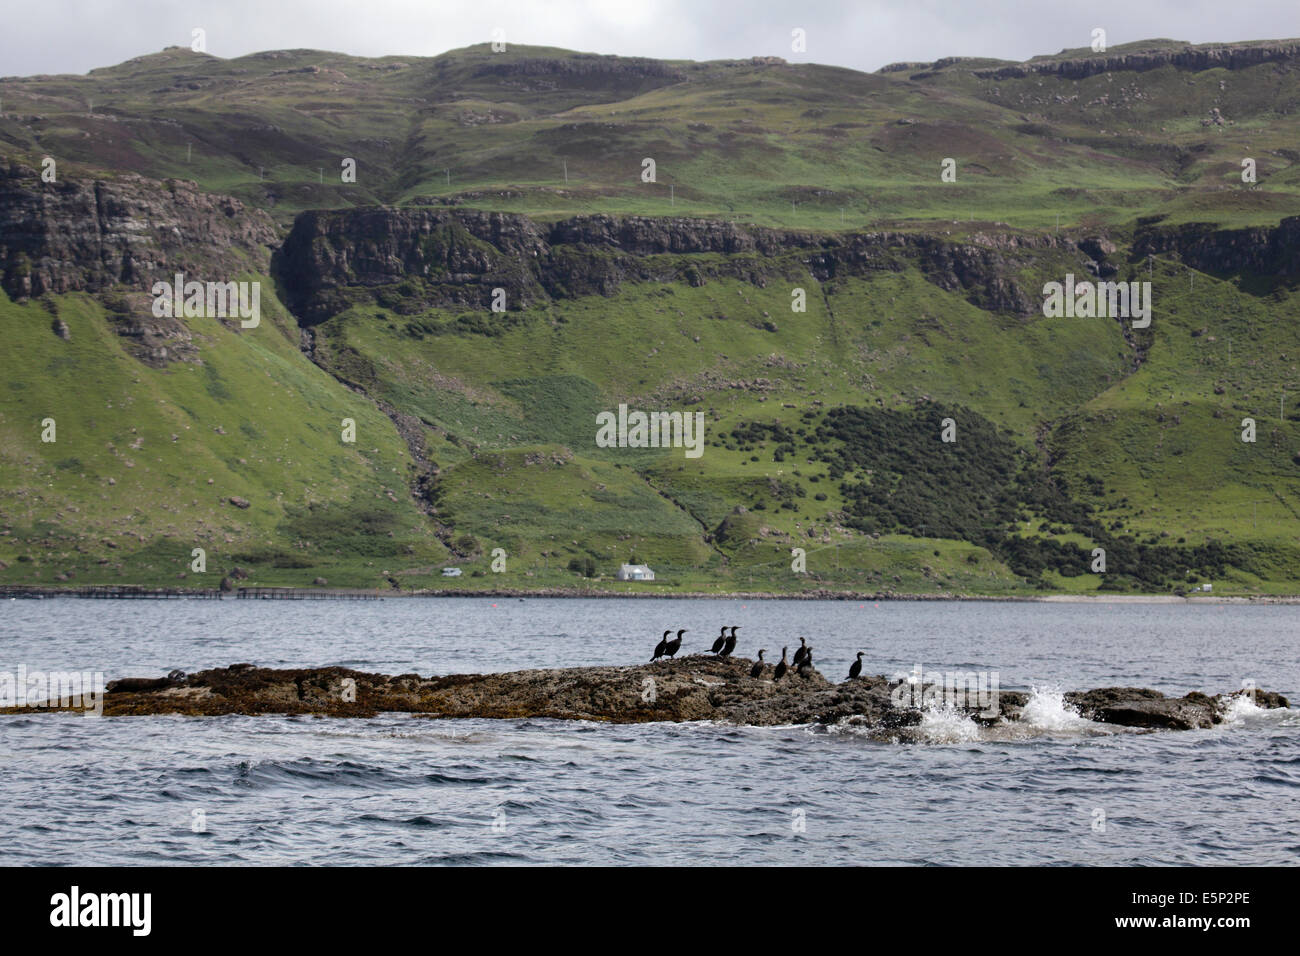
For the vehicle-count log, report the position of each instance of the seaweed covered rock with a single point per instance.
(697, 687)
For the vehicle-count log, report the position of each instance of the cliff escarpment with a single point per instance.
(460, 256)
(1228, 56)
(589, 66)
(92, 235)
(1194, 59)
(1264, 251)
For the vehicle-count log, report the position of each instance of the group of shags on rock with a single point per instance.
(726, 643)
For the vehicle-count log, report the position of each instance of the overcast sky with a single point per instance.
(72, 36)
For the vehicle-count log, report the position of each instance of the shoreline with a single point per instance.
(136, 592)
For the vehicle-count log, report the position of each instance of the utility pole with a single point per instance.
(261, 174)
(566, 172)
(321, 170)
(448, 172)
(672, 201)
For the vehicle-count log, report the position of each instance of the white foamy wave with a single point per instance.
(947, 725)
(1241, 708)
(1047, 710)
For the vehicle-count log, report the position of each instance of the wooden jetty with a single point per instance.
(136, 591)
(308, 594)
(108, 591)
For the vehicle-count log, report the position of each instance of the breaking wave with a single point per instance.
(1047, 710)
(946, 724)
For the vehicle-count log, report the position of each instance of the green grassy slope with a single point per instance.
(796, 145)
(146, 460)
(1072, 433)
(1131, 433)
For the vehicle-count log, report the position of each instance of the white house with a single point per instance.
(451, 572)
(635, 572)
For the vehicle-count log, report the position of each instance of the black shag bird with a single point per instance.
(782, 667)
(730, 645)
(674, 645)
(800, 652)
(661, 648)
(757, 670)
(722, 640)
(806, 665)
(856, 667)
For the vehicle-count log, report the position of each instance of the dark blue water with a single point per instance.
(402, 789)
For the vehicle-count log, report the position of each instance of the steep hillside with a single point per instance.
(1155, 128)
(692, 315)
(809, 286)
(170, 433)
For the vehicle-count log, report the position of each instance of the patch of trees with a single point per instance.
(584, 566)
(898, 476)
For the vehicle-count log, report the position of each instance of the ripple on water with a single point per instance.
(400, 789)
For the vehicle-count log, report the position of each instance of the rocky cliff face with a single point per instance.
(92, 235)
(1262, 251)
(1191, 58)
(587, 65)
(124, 233)
(462, 255)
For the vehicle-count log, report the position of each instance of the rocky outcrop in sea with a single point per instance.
(696, 688)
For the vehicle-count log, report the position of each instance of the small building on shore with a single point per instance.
(635, 572)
